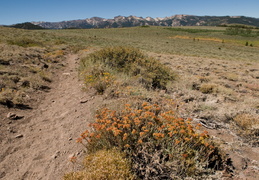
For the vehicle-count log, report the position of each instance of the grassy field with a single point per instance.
(201, 41)
(199, 72)
(169, 40)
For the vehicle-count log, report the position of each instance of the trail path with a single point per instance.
(40, 147)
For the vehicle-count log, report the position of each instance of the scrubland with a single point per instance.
(177, 103)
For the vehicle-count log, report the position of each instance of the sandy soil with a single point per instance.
(39, 145)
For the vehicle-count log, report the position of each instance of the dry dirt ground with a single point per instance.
(40, 144)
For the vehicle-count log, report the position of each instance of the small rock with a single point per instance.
(84, 101)
(70, 139)
(19, 136)
(55, 155)
(13, 116)
(71, 156)
(66, 74)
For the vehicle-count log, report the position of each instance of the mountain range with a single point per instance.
(131, 21)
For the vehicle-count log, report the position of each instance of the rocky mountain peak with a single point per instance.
(131, 21)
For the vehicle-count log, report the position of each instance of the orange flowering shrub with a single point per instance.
(148, 128)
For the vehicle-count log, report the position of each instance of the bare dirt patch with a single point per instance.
(39, 144)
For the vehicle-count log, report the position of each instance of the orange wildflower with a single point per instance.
(79, 140)
(91, 134)
(141, 134)
(127, 146)
(185, 155)
(177, 141)
(170, 134)
(147, 107)
(187, 139)
(116, 132)
(144, 104)
(125, 136)
(127, 125)
(98, 136)
(182, 131)
(150, 123)
(114, 124)
(211, 147)
(159, 135)
(133, 131)
(140, 141)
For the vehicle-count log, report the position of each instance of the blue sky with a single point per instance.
(17, 11)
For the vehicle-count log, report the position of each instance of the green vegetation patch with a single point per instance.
(132, 62)
(25, 42)
(189, 30)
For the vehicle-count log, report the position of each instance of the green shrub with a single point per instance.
(150, 72)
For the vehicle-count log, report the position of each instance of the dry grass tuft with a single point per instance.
(208, 88)
(248, 127)
(104, 165)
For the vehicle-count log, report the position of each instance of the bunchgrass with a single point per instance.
(129, 61)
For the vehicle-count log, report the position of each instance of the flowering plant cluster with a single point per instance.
(148, 125)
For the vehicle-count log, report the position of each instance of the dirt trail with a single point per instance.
(40, 147)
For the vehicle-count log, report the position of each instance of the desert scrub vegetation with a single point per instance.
(158, 143)
(24, 70)
(248, 127)
(128, 61)
(104, 165)
(25, 42)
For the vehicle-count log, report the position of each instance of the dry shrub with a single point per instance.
(249, 127)
(104, 165)
(6, 96)
(208, 88)
(159, 144)
(246, 121)
(232, 76)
